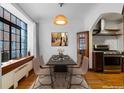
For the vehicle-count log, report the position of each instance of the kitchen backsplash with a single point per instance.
(113, 42)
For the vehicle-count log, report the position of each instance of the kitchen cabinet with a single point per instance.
(98, 61)
(122, 63)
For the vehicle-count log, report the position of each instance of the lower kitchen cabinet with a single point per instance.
(122, 64)
(98, 61)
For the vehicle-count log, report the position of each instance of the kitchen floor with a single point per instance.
(102, 81)
(95, 80)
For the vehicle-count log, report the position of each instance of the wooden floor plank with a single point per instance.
(25, 83)
(95, 80)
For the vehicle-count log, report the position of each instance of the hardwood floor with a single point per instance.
(101, 80)
(25, 83)
(95, 80)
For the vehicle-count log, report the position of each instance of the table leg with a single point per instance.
(70, 79)
(51, 75)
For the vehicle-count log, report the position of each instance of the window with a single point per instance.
(6, 15)
(13, 36)
(1, 12)
(13, 19)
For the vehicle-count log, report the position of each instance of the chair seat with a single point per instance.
(77, 71)
(43, 71)
(43, 84)
(79, 82)
(45, 80)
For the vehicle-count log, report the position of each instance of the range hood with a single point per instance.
(105, 31)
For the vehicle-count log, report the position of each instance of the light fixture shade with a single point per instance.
(60, 20)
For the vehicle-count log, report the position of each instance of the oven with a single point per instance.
(112, 63)
(112, 59)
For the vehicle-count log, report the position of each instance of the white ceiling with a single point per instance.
(40, 11)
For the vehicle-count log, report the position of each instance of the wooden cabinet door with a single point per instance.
(82, 44)
(98, 61)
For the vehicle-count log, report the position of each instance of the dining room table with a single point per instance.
(60, 76)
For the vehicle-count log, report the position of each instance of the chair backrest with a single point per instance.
(85, 63)
(79, 60)
(41, 60)
(36, 65)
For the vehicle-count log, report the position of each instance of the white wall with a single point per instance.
(121, 39)
(45, 29)
(31, 25)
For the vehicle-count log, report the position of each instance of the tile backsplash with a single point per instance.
(113, 42)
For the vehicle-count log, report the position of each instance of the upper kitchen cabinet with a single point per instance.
(110, 24)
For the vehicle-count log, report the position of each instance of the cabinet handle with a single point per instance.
(20, 68)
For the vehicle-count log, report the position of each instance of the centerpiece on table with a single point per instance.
(60, 52)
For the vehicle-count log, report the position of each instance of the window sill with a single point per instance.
(12, 64)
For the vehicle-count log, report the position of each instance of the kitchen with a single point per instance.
(107, 39)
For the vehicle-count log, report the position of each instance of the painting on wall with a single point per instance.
(59, 39)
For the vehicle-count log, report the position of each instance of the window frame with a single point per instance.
(19, 35)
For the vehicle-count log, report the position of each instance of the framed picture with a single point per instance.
(59, 39)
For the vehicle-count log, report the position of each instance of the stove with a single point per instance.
(111, 58)
(105, 49)
(112, 61)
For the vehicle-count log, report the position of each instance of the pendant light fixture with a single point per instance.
(60, 19)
